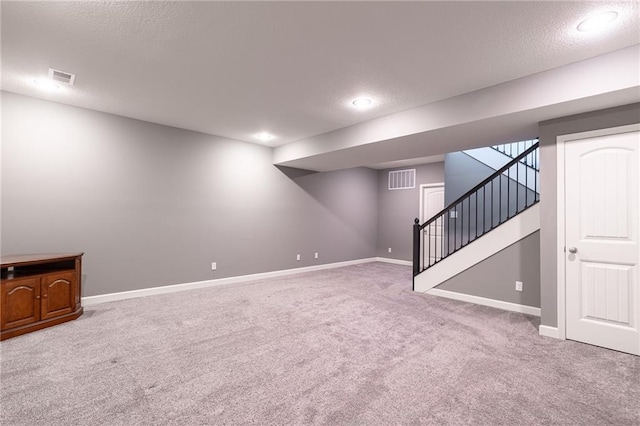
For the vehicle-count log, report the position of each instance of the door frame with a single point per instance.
(561, 140)
(422, 187)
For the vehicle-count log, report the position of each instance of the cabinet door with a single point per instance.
(58, 294)
(20, 300)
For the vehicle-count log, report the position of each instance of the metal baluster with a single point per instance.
(535, 181)
(526, 186)
(435, 249)
(517, 188)
(508, 194)
(455, 224)
(499, 201)
(476, 234)
(459, 221)
(462, 224)
(425, 259)
(441, 238)
(483, 210)
(448, 231)
(469, 227)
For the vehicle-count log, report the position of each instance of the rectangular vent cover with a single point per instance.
(402, 179)
(61, 76)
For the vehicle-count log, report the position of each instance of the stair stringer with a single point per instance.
(508, 233)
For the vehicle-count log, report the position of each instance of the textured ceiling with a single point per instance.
(290, 68)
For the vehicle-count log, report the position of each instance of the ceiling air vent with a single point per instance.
(402, 179)
(61, 76)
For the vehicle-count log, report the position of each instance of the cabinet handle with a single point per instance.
(37, 297)
(44, 295)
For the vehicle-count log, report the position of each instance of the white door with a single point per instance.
(601, 238)
(432, 202)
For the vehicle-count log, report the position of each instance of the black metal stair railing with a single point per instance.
(514, 149)
(509, 191)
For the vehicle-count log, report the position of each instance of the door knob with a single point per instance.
(573, 250)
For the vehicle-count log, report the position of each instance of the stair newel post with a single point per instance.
(416, 247)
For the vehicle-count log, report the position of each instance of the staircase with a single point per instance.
(497, 212)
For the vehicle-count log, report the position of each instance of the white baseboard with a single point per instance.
(548, 331)
(110, 297)
(394, 261)
(507, 306)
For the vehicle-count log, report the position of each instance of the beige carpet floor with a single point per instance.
(347, 346)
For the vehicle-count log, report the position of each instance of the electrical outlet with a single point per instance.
(389, 249)
(453, 214)
(316, 255)
(214, 266)
(297, 257)
(518, 285)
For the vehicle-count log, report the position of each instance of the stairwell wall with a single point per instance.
(495, 277)
(461, 173)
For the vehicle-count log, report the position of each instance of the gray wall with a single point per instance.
(397, 210)
(549, 131)
(495, 277)
(152, 205)
(461, 173)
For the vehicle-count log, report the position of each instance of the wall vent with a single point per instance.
(402, 179)
(61, 76)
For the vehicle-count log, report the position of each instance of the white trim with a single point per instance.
(507, 306)
(421, 218)
(394, 261)
(560, 284)
(560, 218)
(427, 185)
(501, 237)
(547, 331)
(110, 297)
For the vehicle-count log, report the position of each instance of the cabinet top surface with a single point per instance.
(25, 259)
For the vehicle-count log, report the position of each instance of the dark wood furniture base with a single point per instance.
(38, 291)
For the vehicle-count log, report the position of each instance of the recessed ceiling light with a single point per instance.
(362, 102)
(597, 22)
(46, 84)
(264, 136)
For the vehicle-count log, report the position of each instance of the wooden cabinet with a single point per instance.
(39, 291)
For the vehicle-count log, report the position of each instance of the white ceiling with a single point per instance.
(234, 69)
